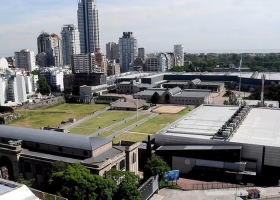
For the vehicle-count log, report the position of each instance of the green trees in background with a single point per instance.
(44, 87)
(265, 62)
(271, 92)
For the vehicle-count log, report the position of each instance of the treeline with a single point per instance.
(205, 62)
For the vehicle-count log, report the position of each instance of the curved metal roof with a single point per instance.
(52, 137)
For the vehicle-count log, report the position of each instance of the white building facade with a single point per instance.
(17, 88)
(70, 42)
(3, 90)
(57, 80)
(25, 59)
(179, 53)
(88, 25)
(84, 63)
(128, 51)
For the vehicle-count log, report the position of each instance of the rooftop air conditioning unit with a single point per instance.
(226, 133)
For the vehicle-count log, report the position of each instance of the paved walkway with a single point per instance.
(119, 123)
(116, 134)
(86, 118)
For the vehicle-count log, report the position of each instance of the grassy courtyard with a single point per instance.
(53, 116)
(159, 122)
(150, 127)
(104, 120)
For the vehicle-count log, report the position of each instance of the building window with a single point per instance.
(133, 158)
(27, 167)
(114, 167)
(122, 165)
(39, 169)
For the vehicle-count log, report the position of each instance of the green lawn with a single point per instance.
(53, 116)
(130, 137)
(104, 120)
(120, 127)
(106, 134)
(159, 122)
(83, 131)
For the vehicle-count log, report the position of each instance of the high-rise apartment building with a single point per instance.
(128, 51)
(51, 45)
(88, 25)
(84, 63)
(113, 68)
(155, 63)
(70, 42)
(179, 53)
(25, 59)
(141, 53)
(112, 51)
(101, 61)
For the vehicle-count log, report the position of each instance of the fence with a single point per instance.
(45, 196)
(209, 186)
(149, 188)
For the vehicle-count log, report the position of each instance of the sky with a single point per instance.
(200, 25)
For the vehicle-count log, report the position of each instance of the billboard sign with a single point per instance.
(172, 175)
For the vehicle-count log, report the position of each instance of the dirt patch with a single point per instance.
(169, 109)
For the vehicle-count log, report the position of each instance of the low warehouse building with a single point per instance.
(243, 140)
(175, 96)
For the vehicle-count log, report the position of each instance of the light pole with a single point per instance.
(137, 108)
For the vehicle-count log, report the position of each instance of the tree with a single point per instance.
(28, 183)
(128, 184)
(271, 92)
(199, 102)
(155, 166)
(76, 182)
(149, 148)
(155, 98)
(44, 87)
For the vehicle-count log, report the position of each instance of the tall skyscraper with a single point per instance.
(70, 42)
(51, 45)
(112, 51)
(25, 59)
(141, 53)
(88, 25)
(128, 51)
(179, 52)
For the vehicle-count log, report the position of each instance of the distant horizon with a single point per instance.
(266, 51)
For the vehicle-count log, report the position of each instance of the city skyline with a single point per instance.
(202, 26)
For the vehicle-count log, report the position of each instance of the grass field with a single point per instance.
(106, 134)
(104, 120)
(159, 122)
(150, 127)
(53, 116)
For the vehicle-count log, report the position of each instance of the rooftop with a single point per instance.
(52, 137)
(261, 127)
(12, 190)
(203, 122)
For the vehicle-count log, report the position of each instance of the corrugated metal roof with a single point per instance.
(261, 127)
(52, 137)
